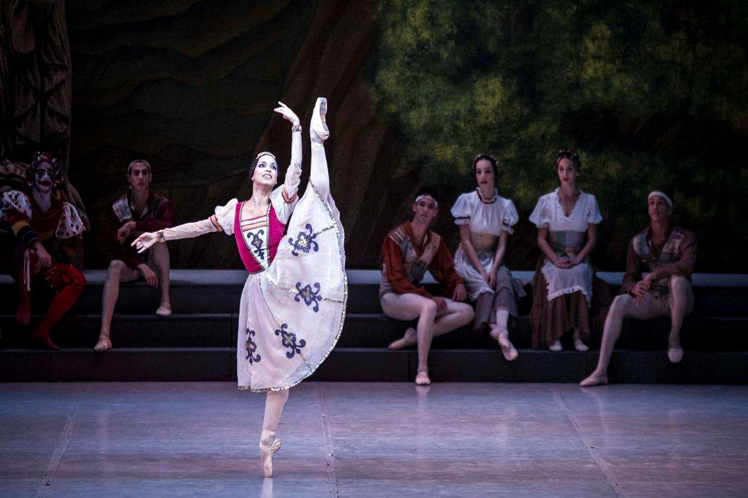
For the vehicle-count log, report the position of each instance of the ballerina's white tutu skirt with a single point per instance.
(291, 315)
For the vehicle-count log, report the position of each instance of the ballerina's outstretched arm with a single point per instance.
(186, 231)
(318, 132)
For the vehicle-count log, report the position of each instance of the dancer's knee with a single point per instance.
(466, 312)
(428, 308)
(679, 285)
(278, 396)
(115, 268)
(620, 306)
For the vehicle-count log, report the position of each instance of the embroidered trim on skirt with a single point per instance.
(291, 315)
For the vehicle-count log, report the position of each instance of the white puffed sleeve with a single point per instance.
(70, 224)
(283, 208)
(16, 200)
(509, 216)
(541, 215)
(462, 209)
(593, 211)
(225, 216)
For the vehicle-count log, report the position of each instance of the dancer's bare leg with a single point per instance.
(454, 316)
(623, 306)
(409, 307)
(269, 444)
(117, 273)
(159, 260)
(500, 333)
(680, 300)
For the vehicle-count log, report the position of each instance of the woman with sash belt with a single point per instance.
(567, 222)
(293, 303)
(486, 220)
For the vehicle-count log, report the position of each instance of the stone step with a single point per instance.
(372, 365)
(219, 291)
(361, 330)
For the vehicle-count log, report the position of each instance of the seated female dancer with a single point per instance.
(293, 304)
(485, 221)
(408, 251)
(567, 222)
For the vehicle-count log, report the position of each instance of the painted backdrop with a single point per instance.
(647, 92)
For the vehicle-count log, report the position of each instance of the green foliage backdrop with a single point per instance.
(646, 92)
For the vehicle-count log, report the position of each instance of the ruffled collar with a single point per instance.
(489, 201)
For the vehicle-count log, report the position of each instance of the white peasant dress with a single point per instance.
(292, 310)
(567, 236)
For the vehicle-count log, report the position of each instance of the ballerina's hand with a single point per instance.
(287, 113)
(145, 241)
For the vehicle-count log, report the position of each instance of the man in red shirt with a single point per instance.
(667, 255)
(408, 251)
(132, 214)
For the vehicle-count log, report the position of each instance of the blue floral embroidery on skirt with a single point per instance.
(251, 348)
(304, 242)
(310, 297)
(255, 241)
(288, 339)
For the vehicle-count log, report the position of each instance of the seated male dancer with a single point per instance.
(139, 211)
(667, 254)
(47, 231)
(408, 251)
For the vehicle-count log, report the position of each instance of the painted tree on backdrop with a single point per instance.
(648, 93)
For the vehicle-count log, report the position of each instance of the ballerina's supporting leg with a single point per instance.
(269, 444)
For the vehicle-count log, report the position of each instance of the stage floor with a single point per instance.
(375, 439)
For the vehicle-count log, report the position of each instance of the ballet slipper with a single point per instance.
(507, 348)
(580, 346)
(595, 379)
(269, 446)
(103, 344)
(164, 309)
(422, 378)
(556, 346)
(409, 339)
(675, 352)
(318, 131)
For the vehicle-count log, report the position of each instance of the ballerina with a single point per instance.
(293, 303)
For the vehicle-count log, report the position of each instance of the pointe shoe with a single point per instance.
(594, 379)
(422, 378)
(164, 309)
(409, 339)
(269, 446)
(103, 344)
(44, 342)
(556, 346)
(580, 346)
(675, 352)
(318, 130)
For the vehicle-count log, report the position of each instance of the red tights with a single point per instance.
(67, 280)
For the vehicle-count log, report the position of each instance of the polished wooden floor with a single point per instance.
(375, 439)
